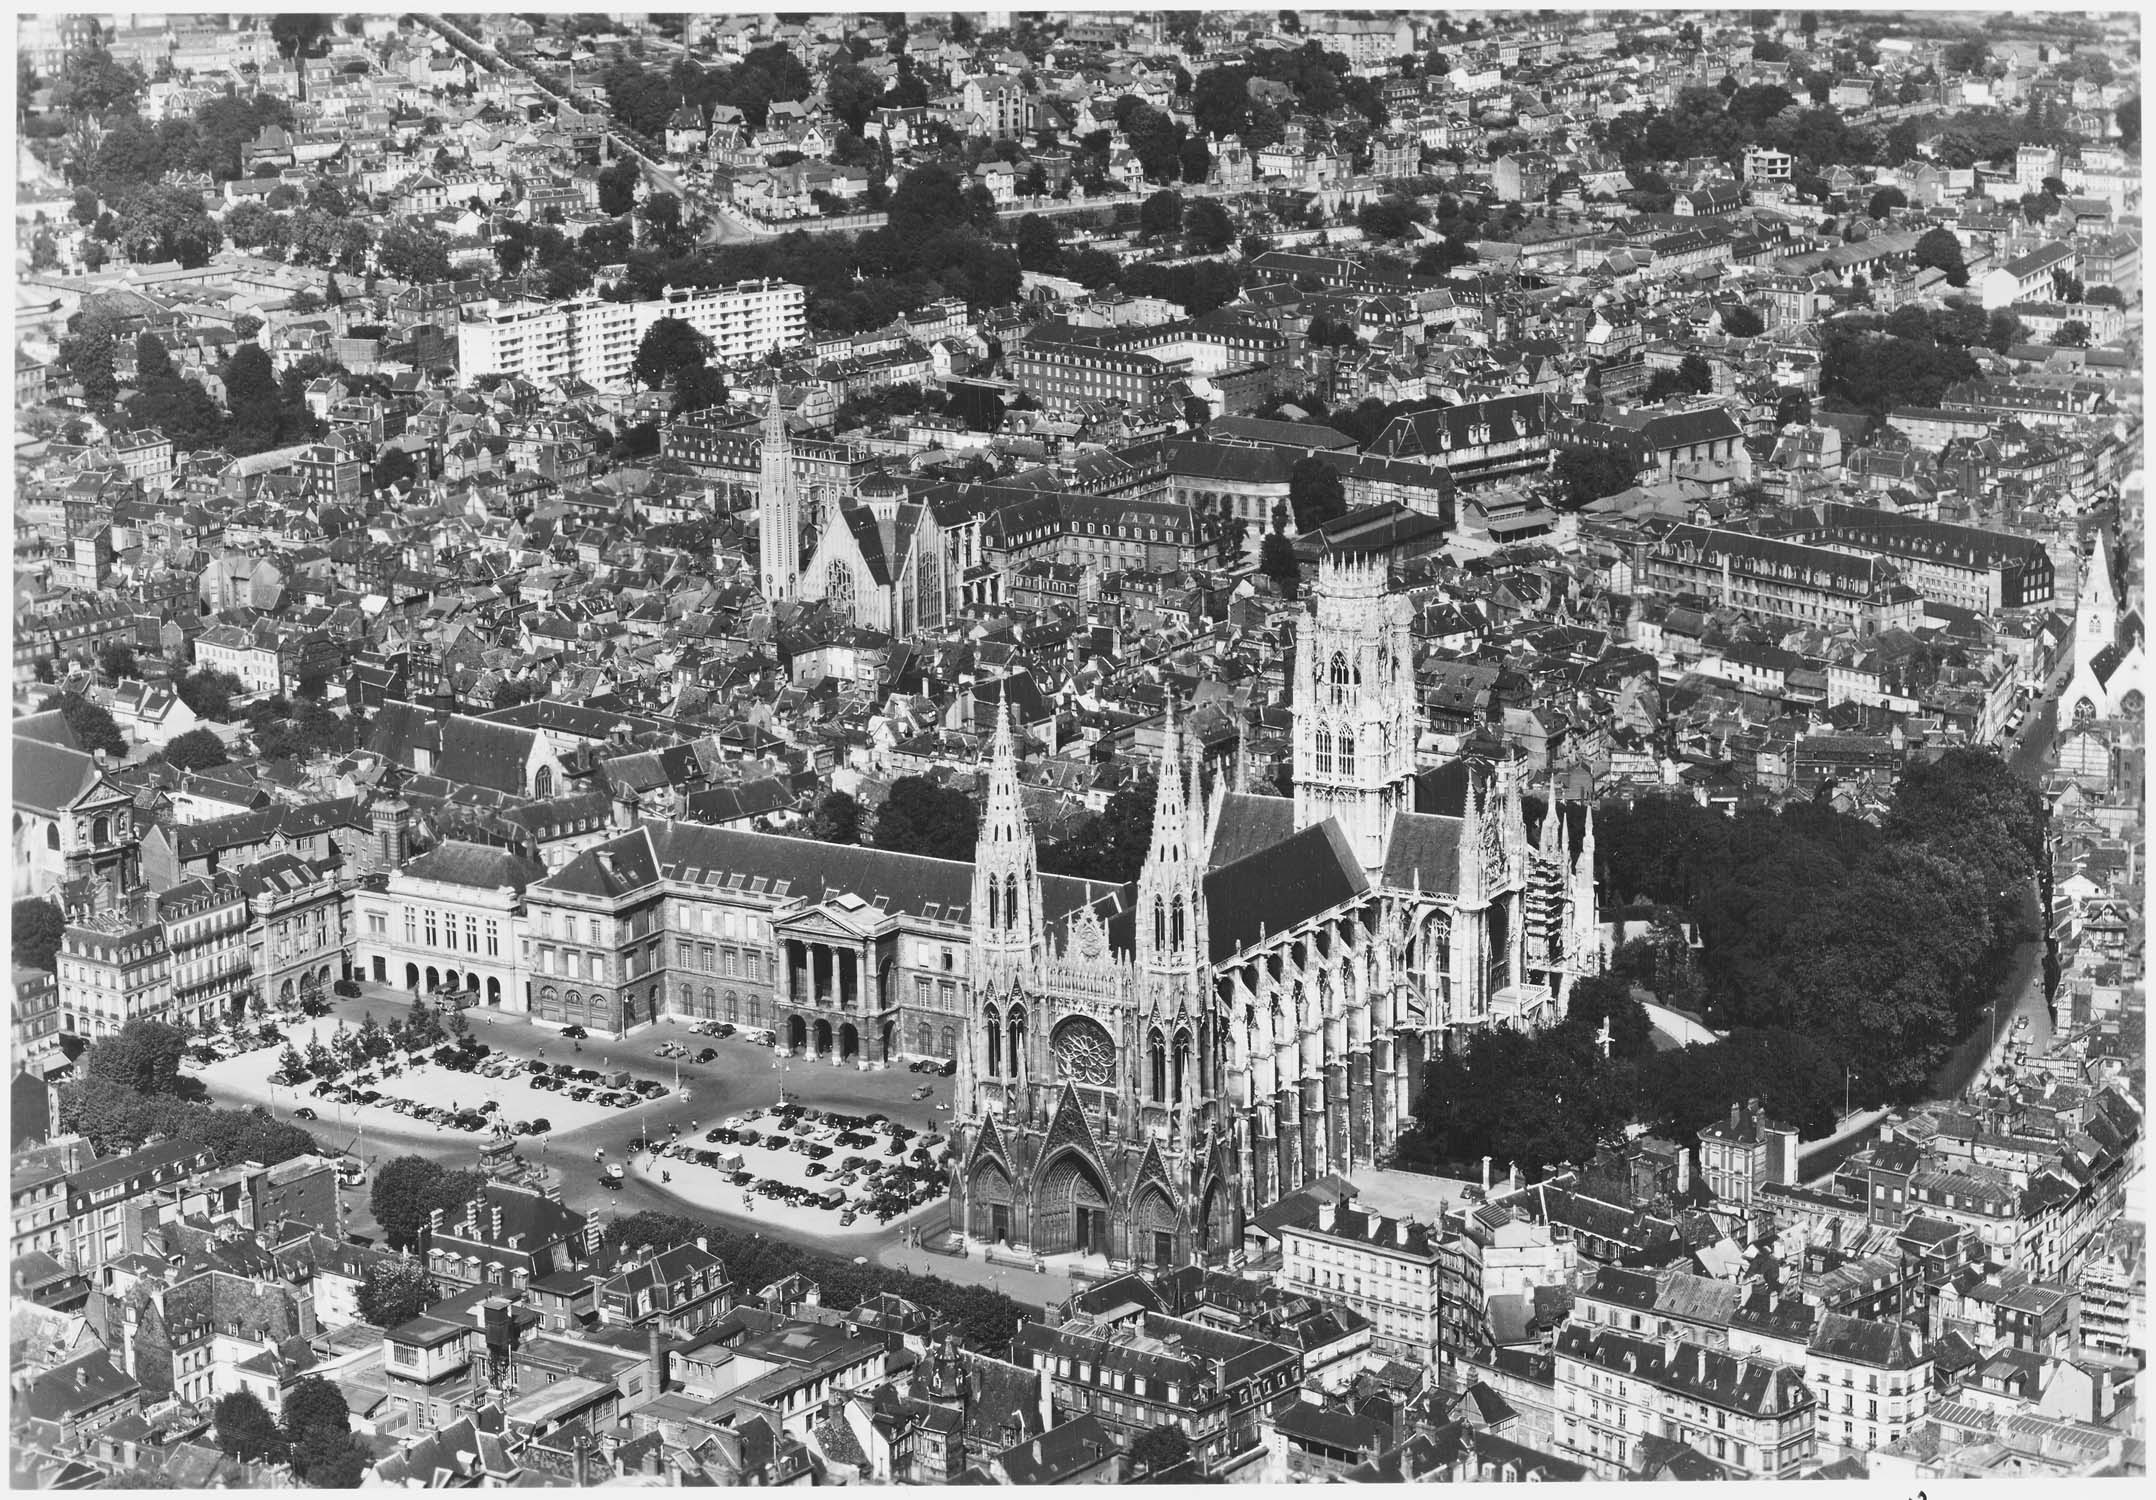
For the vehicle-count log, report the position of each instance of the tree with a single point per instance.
(1162, 213)
(115, 660)
(1111, 846)
(35, 926)
(196, 750)
(300, 35)
(408, 1189)
(921, 817)
(1277, 561)
(617, 188)
(318, 1427)
(246, 1430)
(669, 346)
(1315, 493)
(1885, 201)
(837, 820)
(209, 692)
(396, 1290)
(2001, 333)
(93, 726)
(1692, 376)
(2072, 334)
(1208, 226)
(1160, 1449)
(1938, 247)
(1589, 474)
(406, 252)
(1040, 243)
(251, 395)
(1740, 322)
(142, 1057)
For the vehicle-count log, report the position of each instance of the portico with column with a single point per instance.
(835, 1000)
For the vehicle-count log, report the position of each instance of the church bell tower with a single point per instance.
(1355, 715)
(778, 509)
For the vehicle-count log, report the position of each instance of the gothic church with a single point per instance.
(1139, 1084)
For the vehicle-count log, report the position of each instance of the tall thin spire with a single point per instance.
(1471, 872)
(1552, 842)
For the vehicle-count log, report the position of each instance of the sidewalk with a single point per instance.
(1032, 1288)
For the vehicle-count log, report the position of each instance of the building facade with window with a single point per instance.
(1614, 1390)
(1389, 1270)
(448, 920)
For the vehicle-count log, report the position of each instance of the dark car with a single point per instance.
(709, 1054)
(723, 1030)
(575, 1033)
(305, 1113)
(742, 1179)
(539, 1126)
(535, 1066)
(814, 1169)
(639, 1143)
(949, 1067)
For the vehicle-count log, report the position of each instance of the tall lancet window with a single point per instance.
(1323, 741)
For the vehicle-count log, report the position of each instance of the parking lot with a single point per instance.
(824, 1171)
(403, 1093)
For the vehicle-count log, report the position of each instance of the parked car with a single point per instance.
(575, 1033)
(541, 1125)
(305, 1113)
(923, 1091)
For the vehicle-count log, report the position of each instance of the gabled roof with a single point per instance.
(51, 778)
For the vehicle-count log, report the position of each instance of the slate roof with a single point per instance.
(1250, 823)
(803, 869)
(485, 866)
(49, 777)
(1275, 889)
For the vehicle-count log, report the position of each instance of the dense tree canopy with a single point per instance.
(396, 1290)
(921, 817)
(35, 926)
(1110, 845)
(986, 1319)
(407, 1190)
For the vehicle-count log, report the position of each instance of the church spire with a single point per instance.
(1471, 872)
(1169, 891)
(1007, 928)
(1553, 838)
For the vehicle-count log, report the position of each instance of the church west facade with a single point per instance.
(1258, 1014)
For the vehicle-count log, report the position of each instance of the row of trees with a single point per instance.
(129, 1088)
(986, 1319)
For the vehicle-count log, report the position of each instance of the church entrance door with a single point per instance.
(999, 1224)
(1163, 1248)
